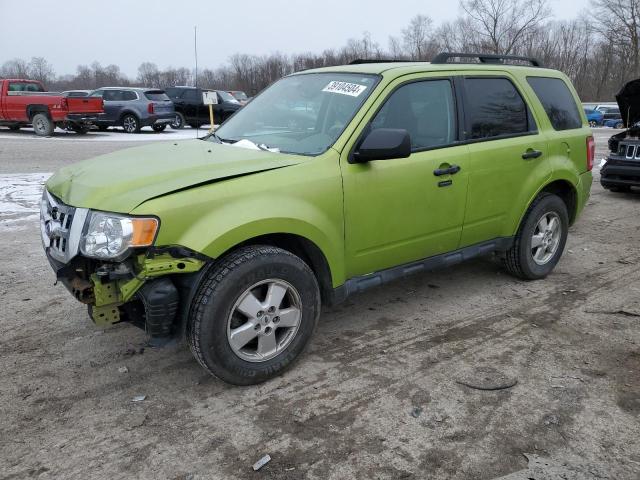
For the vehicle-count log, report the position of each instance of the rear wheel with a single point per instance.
(253, 314)
(593, 123)
(42, 125)
(158, 127)
(540, 240)
(619, 125)
(178, 123)
(130, 123)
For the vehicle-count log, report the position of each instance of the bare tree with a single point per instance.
(501, 25)
(16, 68)
(149, 75)
(40, 69)
(417, 38)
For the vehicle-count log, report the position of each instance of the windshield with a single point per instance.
(303, 114)
(239, 95)
(227, 97)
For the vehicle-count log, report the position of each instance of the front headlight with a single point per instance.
(109, 235)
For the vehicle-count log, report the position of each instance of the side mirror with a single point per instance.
(383, 144)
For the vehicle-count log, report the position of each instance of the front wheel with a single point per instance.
(130, 123)
(619, 125)
(540, 240)
(158, 127)
(253, 314)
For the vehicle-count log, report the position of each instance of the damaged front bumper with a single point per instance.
(147, 288)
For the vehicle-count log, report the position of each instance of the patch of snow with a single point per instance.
(20, 195)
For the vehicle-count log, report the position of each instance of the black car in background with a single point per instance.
(191, 110)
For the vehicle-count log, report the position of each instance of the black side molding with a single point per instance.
(375, 279)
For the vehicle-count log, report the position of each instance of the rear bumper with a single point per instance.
(163, 119)
(620, 174)
(87, 118)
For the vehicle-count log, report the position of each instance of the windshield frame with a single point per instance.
(377, 80)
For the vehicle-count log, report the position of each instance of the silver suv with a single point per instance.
(134, 108)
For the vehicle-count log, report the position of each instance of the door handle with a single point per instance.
(530, 153)
(452, 170)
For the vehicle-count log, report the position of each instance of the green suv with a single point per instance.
(330, 182)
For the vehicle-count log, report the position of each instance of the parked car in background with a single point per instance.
(600, 106)
(76, 93)
(134, 108)
(191, 110)
(594, 117)
(621, 170)
(614, 123)
(240, 96)
(610, 113)
(25, 102)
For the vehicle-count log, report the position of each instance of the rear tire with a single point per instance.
(178, 123)
(42, 125)
(540, 240)
(253, 314)
(130, 123)
(158, 127)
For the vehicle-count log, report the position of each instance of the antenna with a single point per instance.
(195, 49)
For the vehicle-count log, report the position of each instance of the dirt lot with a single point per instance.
(375, 396)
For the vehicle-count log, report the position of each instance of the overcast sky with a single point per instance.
(127, 33)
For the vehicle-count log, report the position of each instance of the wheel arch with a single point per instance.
(34, 109)
(303, 248)
(567, 192)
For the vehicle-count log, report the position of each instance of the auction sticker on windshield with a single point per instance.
(345, 88)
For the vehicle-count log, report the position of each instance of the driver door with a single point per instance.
(402, 210)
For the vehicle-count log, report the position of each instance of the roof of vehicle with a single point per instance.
(397, 69)
(137, 89)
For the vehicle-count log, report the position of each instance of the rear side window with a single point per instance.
(494, 108)
(156, 96)
(557, 101)
(425, 109)
(128, 95)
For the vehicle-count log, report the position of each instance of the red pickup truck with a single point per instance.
(25, 102)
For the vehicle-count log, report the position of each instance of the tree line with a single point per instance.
(598, 50)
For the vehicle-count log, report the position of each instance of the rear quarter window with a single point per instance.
(557, 101)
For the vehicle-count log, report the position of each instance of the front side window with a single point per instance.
(302, 114)
(558, 102)
(494, 108)
(425, 109)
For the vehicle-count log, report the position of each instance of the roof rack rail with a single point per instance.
(361, 61)
(484, 58)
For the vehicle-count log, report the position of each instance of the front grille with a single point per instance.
(61, 227)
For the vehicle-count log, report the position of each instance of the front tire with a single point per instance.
(540, 240)
(42, 125)
(253, 314)
(130, 123)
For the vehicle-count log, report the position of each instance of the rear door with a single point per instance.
(508, 156)
(402, 210)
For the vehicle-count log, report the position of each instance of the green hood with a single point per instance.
(120, 181)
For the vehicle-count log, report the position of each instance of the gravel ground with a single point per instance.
(375, 396)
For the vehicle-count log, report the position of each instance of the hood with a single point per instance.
(629, 102)
(120, 181)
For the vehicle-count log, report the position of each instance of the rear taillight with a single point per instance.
(591, 152)
(150, 108)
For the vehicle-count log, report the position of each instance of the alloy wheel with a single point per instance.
(546, 238)
(264, 320)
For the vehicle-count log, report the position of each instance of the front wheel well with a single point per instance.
(305, 249)
(567, 193)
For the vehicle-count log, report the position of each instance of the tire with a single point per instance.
(521, 260)
(619, 125)
(42, 125)
(179, 122)
(130, 123)
(244, 275)
(103, 128)
(593, 123)
(158, 127)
